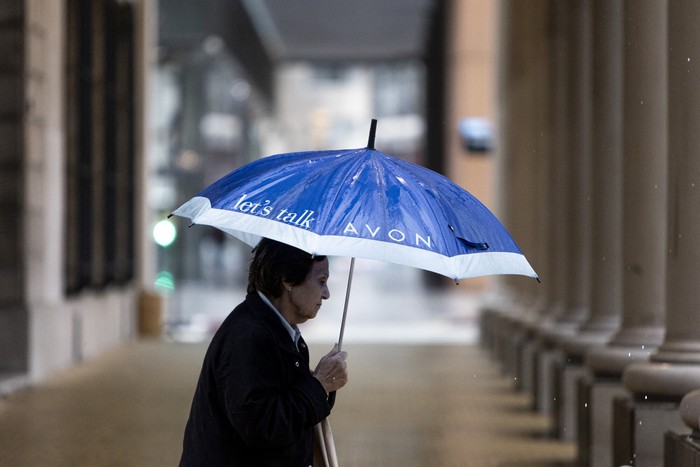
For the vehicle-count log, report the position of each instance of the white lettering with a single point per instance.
(427, 242)
(246, 206)
(401, 236)
(350, 228)
(373, 233)
(307, 222)
(266, 210)
(235, 206)
(395, 235)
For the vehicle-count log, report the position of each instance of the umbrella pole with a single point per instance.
(345, 309)
(331, 396)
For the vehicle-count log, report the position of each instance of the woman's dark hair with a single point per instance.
(275, 262)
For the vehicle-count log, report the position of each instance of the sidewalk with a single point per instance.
(421, 391)
(405, 406)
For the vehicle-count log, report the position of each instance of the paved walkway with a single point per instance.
(421, 391)
(406, 405)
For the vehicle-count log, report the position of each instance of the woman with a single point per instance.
(257, 400)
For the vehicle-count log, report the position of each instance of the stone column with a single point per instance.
(558, 205)
(674, 369)
(521, 68)
(644, 191)
(569, 343)
(606, 256)
(643, 222)
(496, 310)
(577, 213)
(523, 148)
(605, 292)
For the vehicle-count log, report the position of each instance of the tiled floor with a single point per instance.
(405, 405)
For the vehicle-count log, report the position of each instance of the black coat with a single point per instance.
(256, 401)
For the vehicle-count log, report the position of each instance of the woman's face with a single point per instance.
(305, 299)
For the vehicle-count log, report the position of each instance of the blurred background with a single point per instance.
(299, 76)
(572, 120)
(119, 111)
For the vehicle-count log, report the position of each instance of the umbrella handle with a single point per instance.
(331, 396)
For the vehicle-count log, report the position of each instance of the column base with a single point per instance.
(607, 364)
(657, 380)
(681, 449)
(644, 337)
(545, 359)
(574, 348)
(612, 360)
(545, 363)
(690, 411)
(582, 343)
(526, 366)
(565, 401)
(595, 419)
(658, 389)
(639, 428)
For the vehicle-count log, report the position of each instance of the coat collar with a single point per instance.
(293, 330)
(272, 322)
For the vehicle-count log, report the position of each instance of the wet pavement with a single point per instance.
(421, 391)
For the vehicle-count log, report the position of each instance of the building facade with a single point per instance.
(73, 124)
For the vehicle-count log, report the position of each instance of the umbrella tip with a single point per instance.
(372, 132)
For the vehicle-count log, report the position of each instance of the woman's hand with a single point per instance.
(332, 370)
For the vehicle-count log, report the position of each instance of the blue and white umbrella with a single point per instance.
(360, 203)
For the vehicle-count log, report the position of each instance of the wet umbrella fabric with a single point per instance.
(360, 203)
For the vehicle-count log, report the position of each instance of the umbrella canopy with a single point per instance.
(360, 203)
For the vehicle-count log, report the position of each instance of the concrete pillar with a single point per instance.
(595, 396)
(644, 191)
(574, 225)
(496, 310)
(521, 66)
(605, 293)
(645, 169)
(643, 227)
(579, 218)
(544, 355)
(522, 124)
(578, 214)
(674, 369)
